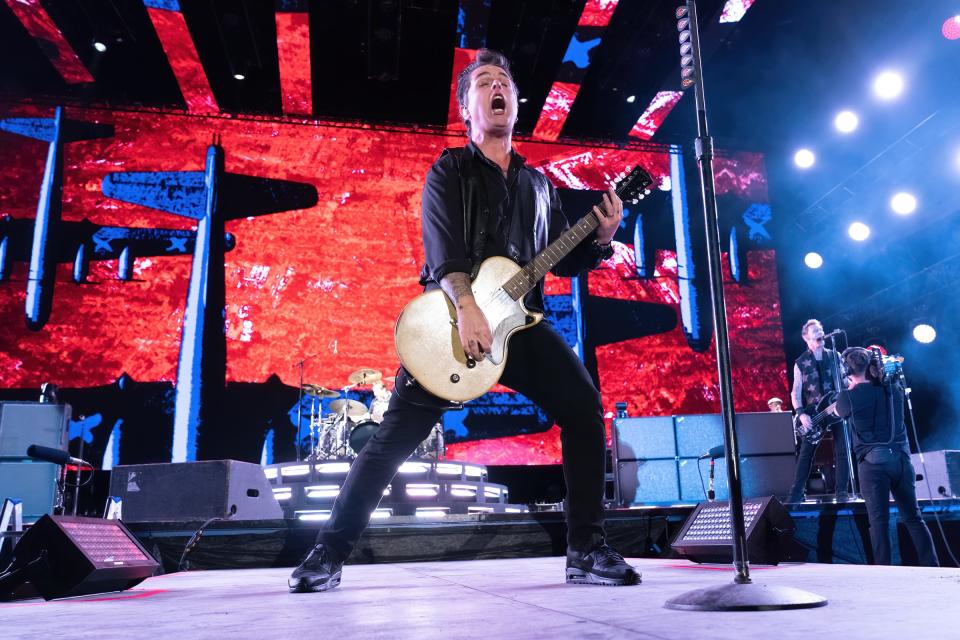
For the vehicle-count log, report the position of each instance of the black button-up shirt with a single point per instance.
(525, 215)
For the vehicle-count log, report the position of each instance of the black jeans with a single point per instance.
(882, 472)
(805, 463)
(542, 367)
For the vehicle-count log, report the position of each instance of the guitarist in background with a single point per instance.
(814, 377)
(480, 201)
(875, 410)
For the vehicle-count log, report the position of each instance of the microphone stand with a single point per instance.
(299, 365)
(837, 386)
(742, 594)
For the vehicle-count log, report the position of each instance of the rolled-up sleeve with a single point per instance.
(583, 257)
(442, 219)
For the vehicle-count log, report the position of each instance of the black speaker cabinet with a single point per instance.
(80, 556)
(194, 491)
(707, 536)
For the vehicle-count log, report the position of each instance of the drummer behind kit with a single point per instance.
(349, 425)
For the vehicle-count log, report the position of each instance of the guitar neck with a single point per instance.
(528, 277)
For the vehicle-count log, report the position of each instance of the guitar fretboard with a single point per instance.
(528, 277)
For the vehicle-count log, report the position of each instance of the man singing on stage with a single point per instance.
(480, 201)
(880, 444)
(814, 375)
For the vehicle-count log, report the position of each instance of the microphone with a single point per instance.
(711, 494)
(56, 456)
(714, 453)
(835, 332)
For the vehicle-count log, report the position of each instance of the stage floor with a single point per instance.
(515, 598)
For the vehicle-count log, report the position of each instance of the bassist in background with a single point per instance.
(479, 201)
(813, 378)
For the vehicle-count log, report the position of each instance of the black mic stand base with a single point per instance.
(748, 596)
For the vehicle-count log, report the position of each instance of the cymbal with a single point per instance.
(364, 376)
(354, 409)
(320, 392)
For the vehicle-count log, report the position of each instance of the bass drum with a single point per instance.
(362, 433)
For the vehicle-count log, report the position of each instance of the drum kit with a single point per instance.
(349, 424)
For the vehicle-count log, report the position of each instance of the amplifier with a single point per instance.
(25, 423)
(942, 473)
(194, 491)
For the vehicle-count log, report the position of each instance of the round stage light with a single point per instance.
(813, 260)
(924, 333)
(239, 76)
(99, 46)
(951, 28)
(903, 203)
(888, 85)
(859, 231)
(631, 99)
(804, 158)
(846, 121)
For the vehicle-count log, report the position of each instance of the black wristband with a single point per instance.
(604, 251)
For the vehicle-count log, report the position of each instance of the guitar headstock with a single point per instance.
(634, 186)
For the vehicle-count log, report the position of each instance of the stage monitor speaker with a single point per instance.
(64, 556)
(33, 483)
(25, 423)
(194, 491)
(942, 474)
(707, 536)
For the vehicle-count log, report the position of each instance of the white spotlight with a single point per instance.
(239, 76)
(804, 158)
(924, 333)
(903, 203)
(523, 100)
(813, 260)
(859, 231)
(631, 99)
(846, 121)
(888, 85)
(99, 46)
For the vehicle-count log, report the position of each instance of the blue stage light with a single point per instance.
(903, 203)
(813, 260)
(804, 158)
(924, 333)
(859, 231)
(846, 122)
(888, 85)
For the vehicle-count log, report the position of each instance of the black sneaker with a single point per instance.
(602, 566)
(319, 571)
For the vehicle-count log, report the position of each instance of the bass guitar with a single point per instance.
(822, 417)
(426, 335)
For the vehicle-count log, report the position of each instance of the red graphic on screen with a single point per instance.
(329, 280)
(38, 24)
(555, 110)
(461, 58)
(293, 53)
(597, 13)
(177, 43)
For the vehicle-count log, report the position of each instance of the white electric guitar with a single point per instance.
(426, 335)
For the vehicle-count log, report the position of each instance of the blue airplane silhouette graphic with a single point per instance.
(211, 197)
(57, 131)
(84, 241)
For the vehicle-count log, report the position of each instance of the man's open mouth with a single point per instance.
(498, 104)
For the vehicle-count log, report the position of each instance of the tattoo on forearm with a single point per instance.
(457, 286)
